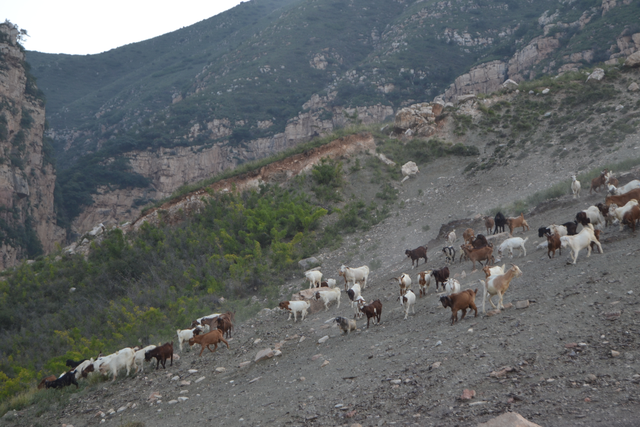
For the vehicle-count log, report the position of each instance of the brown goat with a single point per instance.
(489, 223)
(631, 218)
(416, 254)
(468, 235)
(482, 254)
(161, 353)
(45, 379)
(553, 244)
(518, 221)
(622, 199)
(480, 242)
(598, 181)
(461, 301)
(372, 310)
(213, 337)
(225, 325)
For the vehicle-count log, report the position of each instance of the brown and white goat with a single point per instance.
(373, 310)
(553, 244)
(424, 280)
(460, 301)
(404, 281)
(498, 285)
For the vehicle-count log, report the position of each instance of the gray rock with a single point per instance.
(597, 75)
(633, 60)
(308, 262)
(267, 353)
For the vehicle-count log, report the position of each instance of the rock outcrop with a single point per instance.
(277, 172)
(27, 177)
(419, 119)
(170, 168)
(484, 78)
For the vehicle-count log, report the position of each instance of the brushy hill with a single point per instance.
(261, 61)
(240, 249)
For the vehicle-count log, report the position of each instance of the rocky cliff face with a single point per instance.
(27, 178)
(169, 169)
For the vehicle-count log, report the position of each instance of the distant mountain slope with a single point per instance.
(244, 75)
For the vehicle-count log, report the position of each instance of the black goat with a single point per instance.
(500, 221)
(64, 380)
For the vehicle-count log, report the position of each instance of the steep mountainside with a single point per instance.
(270, 74)
(27, 177)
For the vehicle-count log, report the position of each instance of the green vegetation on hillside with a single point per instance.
(140, 288)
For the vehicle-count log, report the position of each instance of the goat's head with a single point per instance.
(517, 271)
(446, 301)
(487, 271)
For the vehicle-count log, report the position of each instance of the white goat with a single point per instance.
(295, 307)
(494, 271)
(185, 335)
(353, 275)
(408, 301)
(580, 241)
(595, 217)
(632, 185)
(451, 286)
(314, 277)
(139, 357)
(354, 293)
(575, 187)
(331, 283)
(451, 237)
(511, 244)
(618, 213)
(560, 230)
(329, 295)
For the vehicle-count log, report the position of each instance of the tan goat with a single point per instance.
(498, 285)
(518, 221)
(468, 235)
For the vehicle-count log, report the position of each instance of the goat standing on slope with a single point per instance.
(408, 301)
(575, 187)
(511, 244)
(580, 241)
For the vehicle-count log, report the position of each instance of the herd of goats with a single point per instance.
(621, 205)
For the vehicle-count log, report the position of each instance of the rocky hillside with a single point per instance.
(269, 74)
(27, 177)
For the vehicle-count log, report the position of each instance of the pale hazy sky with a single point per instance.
(86, 26)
